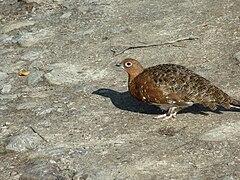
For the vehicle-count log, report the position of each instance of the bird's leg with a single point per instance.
(172, 112)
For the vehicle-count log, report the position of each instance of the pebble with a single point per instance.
(119, 29)
(85, 32)
(15, 25)
(16, 67)
(38, 65)
(95, 175)
(35, 77)
(29, 39)
(228, 177)
(8, 96)
(79, 176)
(4, 38)
(34, 1)
(32, 55)
(26, 105)
(66, 15)
(5, 131)
(24, 141)
(64, 73)
(80, 152)
(224, 132)
(6, 88)
(83, 9)
(41, 170)
(59, 1)
(43, 112)
(237, 56)
(3, 108)
(2, 76)
(51, 151)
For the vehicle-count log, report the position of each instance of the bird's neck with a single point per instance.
(131, 77)
(133, 74)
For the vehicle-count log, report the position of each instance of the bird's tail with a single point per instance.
(235, 102)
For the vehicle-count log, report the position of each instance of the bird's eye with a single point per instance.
(128, 64)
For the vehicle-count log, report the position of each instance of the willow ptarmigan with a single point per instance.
(173, 87)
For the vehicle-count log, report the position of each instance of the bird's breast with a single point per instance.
(145, 89)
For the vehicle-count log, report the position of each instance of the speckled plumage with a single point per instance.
(173, 87)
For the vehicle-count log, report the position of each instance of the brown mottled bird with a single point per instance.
(173, 87)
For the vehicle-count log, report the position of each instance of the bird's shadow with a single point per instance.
(124, 101)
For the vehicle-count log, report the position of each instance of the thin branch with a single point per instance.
(115, 53)
(38, 134)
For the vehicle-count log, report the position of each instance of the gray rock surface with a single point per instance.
(15, 25)
(24, 141)
(2, 108)
(66, 15)
(229, 131)
(35, 77)
(49, 152)
(6, 88)
(42, 170)
(32, 55)
(2, 75)
(27, 105)
(237, 56)
(64, 73)
(8, 96)
(42, 111)
(35, 1)
(77, 99)
(29, 39)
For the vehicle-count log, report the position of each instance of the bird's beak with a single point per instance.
(119, 65)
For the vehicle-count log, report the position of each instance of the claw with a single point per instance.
(172, 113)
(165, 116)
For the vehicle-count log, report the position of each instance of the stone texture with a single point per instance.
(27, 105)
(110, 135)
(8, 96)
(35, 1)
(35, 77)
(29, 39)
(63, 73)
(6, 88)
(66, 15)
(2, 75)
(32, 55)
(49, 152)
(42, 170)
(237, 56)
(15, 25)
(24, 141)
(230, 131)
(43, 112)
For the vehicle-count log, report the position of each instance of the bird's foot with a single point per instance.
(172, 113)
(165, 116)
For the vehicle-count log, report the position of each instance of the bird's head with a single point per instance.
(132, 67)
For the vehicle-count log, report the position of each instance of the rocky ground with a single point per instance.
(65, 112)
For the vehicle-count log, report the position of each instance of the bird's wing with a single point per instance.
(155, 89)
(184, 85)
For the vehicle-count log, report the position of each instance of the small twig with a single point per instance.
(115, 53)
(38, 134)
